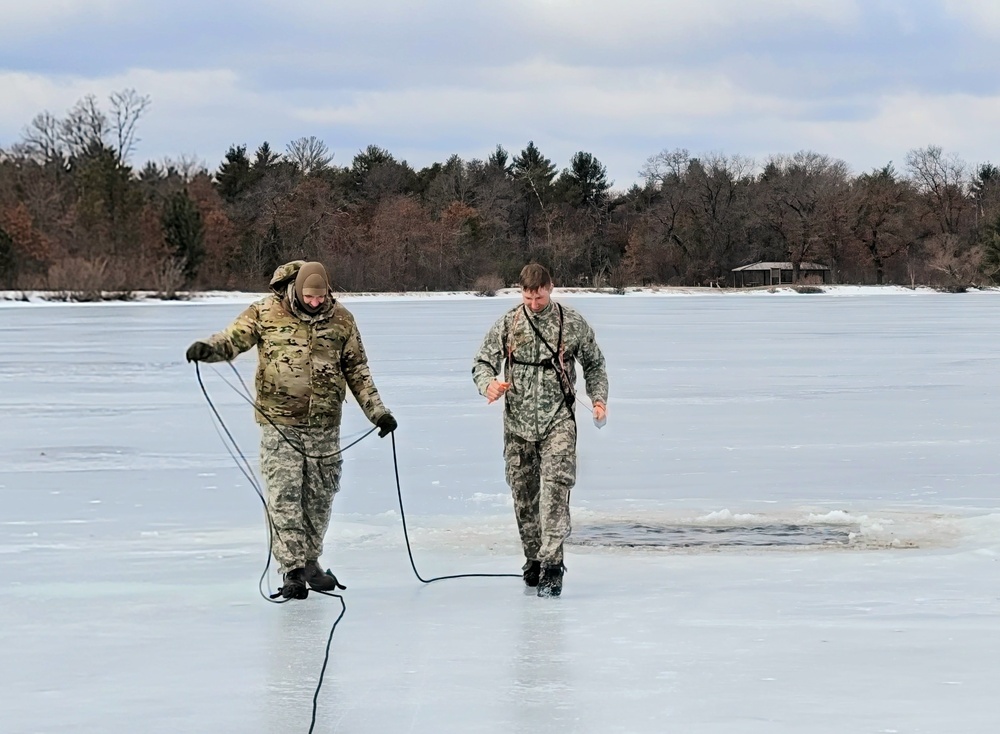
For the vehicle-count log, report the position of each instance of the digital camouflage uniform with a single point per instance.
(539, 424)
(306, 363)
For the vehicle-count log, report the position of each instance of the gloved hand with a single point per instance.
(198, 352)
(386, 424)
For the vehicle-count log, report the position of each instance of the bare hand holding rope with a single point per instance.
(495, 389)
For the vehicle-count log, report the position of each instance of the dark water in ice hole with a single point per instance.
(633, 534)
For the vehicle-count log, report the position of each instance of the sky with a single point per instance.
(131, 546)
(865, 81)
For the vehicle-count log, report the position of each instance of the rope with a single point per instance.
(243, 465)
(406, 535)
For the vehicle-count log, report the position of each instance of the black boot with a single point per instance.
(319, 579)
(532, 570)
(550, 583)
(294, 585)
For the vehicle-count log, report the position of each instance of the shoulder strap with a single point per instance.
(565, 384)
(534, 328)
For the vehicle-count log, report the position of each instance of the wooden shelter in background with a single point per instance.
(765, 273)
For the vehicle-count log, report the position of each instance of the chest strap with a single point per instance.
(555, 362)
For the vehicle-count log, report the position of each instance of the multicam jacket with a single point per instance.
(542, 384)
(305, 361)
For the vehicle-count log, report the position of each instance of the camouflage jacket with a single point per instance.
(538, 396)
(305, 362)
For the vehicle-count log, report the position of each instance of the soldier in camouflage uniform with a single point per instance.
(309, 353)
(538, 342)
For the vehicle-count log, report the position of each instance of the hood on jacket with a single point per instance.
(284, 274)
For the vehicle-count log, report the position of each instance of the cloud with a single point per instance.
(557, 22)
(960, 123)
(864, 81)
(980, 16)
(641, 22)
(394, 42)
(540, 96)
(44, 16)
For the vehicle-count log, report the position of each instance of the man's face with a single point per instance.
(537, 300)
(314, 302)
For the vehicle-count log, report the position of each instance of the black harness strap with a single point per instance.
(554, 362)
(545, 363)
(555, 354)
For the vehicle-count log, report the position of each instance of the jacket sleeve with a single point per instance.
(595, 373)
(238, 337)
(486, 364)
(354, 363)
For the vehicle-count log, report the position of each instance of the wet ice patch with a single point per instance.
(627, 534)
(724, 529)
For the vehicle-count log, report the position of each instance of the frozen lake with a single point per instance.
(789, 524)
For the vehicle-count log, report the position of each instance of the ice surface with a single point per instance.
(130, 545)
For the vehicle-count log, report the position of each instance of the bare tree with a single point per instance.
(85, 127)
(664, 236)
(880, 221)
(701, 209)
(453, 182)
(42, 140)
(801, 203)
(664, 174)
(719, 188)
(942, 181)
(127, 106)
(493, 195)
(187, 167)
(310, 155)
(955, 264)
(665, 165)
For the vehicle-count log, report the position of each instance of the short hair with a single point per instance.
(535, 277)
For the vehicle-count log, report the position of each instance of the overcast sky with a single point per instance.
(860, 80)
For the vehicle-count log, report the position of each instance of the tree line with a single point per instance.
(75, 216)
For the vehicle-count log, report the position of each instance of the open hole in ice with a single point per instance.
(636, 534)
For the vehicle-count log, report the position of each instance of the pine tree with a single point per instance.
(534, 173)
(534, 169)
(990, 243)
(184, 232)
(233, 176)
(264, 159)
(500, 160)
(8, 260)
(586, 181)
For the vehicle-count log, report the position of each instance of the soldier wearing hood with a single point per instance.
(309, 353)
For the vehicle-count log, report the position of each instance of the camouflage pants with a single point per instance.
(299, 490)
(541, 475)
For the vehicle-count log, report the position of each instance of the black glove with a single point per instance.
(386, 424)
(198, 352)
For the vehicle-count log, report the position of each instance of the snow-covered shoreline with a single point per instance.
(51, 298)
